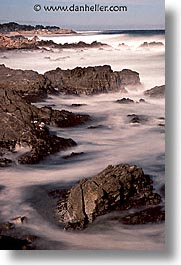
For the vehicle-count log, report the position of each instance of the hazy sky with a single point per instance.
(141, 14)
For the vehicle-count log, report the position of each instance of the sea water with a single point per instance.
(115, 141)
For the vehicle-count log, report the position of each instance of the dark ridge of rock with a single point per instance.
(150, 215)
(61, 118)
(125, 101)
(137, 118)
(8, 145)
(161, 124)
(156, 92)
(117, 187)
(44, 146)
(142, 100)
(153, 44)
(12, 243)
(4, 162)
(99, 126)
(76, 105)
(21, 42)
(18, 125)
(92, 80)
(72, 155)
(27, 83)
(13, 26)
(13, 239)
(79, 45)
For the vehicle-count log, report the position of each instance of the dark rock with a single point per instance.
(162, 190)
(19, 220)
(125, 101)
(20, 42)
(161, 125)
(61, 118)
(99, 126)
(72, 155)
(4, 162)
(142, 100)
(43, 146)
(152, 44)
(76, 45)
(12, 243)
(137, 118)
(92, 80)
(150, 215)
(60, 194)
(28, 84)
(78, 105)
(117, 187)
(12, 26)
(18, 124)
(6, 227)
(156, 92)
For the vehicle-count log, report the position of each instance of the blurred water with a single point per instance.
(117, 141)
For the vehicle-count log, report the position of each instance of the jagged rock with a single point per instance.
(99, 126)
(117, 187)
(61, 118)
(13, 243)
(137, 118)
(152, 44)
(27, 83)
(142, 100)
(4, 162)
(19, 220)
(92, 80)
(72, 155)
(156, 92)
(21, 42)
(76, 45)
(125, 101)
(18, 124)
(77, 105)
(13, 26)
(150, 215)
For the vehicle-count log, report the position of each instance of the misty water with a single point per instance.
(114, 141)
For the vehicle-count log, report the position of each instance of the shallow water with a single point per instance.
(117, 141)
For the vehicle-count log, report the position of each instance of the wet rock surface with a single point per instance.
(61, 118)
(156, 92)
(20, 42)
(117, 187)
(5, 162)
(137, 119)
(14, 238)
(152, 44)
(150, 215)
(125, 101)
(92, 80)
(27, 83)
(72, 155)
(26, 125)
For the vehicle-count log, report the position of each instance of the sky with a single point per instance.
(141, 14)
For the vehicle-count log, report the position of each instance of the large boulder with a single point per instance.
(156, 92)
(117, 187)
(92, 80)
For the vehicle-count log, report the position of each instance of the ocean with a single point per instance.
(116, 141)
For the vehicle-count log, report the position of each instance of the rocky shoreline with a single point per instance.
(23, 125)
(20, 42)
(119, 187)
